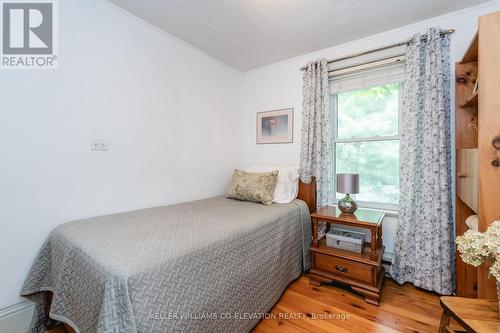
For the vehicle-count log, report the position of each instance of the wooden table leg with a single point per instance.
(444, 323)
(373, 252)
(379, 237)
(315, 232)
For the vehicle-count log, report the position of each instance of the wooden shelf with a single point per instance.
(476, 127)
(471, 101)
(472, 51)
(363, 257)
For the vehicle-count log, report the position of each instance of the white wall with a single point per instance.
(279, 86)
(167, 110)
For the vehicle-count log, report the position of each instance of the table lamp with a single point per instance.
(347, 183)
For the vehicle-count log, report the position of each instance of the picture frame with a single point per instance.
(275, 126)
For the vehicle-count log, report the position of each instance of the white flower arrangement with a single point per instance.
(476, 247)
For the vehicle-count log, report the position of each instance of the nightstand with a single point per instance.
(362, 272)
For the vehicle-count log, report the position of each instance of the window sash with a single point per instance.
(336, 140)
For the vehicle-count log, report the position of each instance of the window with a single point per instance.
(366, 141)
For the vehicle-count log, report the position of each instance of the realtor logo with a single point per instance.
(28, 31)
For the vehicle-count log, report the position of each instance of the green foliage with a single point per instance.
(369, 113)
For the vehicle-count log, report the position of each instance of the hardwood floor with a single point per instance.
(402, 309)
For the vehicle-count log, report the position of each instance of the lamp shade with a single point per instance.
(348, 183)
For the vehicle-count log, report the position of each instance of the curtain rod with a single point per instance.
(408, 41)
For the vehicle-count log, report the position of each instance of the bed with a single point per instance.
(213, 265)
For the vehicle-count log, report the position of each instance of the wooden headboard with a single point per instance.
(307, 193)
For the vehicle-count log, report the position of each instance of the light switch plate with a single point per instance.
(99, 145)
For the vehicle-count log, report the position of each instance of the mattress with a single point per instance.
(213, 265)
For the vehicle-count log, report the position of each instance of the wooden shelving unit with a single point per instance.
(478, 158)
(466, 73)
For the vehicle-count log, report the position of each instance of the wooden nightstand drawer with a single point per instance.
(341, 267)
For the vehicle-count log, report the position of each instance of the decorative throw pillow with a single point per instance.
(287, 184)
(256, 187)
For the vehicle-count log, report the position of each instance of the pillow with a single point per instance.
(256, 187)
(287, 187)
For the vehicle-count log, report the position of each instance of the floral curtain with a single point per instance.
(316, 144)
(424, 247)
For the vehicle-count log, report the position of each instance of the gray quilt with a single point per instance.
(213, 265)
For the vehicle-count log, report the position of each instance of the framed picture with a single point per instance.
(275, 126)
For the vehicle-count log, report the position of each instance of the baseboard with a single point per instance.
(386, 262)
(16, 318)
(387, 258)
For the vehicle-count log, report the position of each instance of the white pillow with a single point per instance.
(287, 186)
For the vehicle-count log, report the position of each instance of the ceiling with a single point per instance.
(250, 33)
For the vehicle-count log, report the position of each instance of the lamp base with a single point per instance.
(347, 204)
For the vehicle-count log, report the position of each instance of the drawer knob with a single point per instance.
(341, 269)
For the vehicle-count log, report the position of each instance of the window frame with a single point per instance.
(336, 140)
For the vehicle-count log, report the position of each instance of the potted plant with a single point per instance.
(476, 248)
